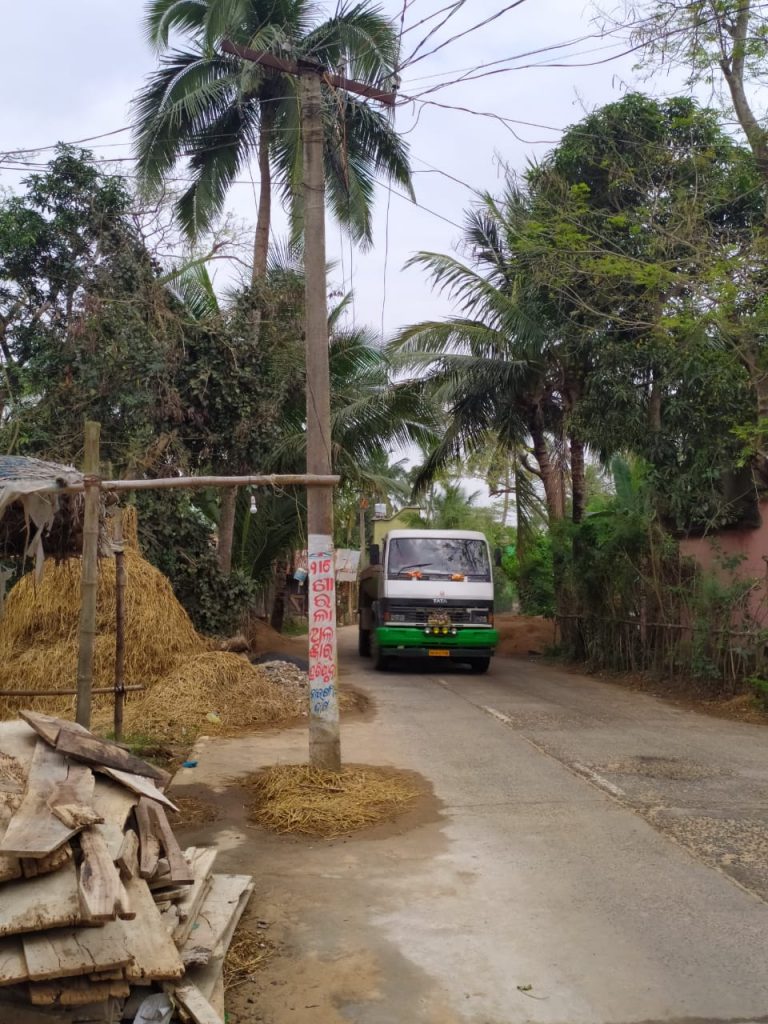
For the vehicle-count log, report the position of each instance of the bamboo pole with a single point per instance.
(201, 482)
(119, 626)
(67, 693)
(89, 574)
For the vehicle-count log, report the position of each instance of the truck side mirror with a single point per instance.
(374, 554)
(497, 553)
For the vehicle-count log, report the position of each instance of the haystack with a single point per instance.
(218, 692)
(39, 629)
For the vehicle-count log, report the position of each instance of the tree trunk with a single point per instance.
(263, 220)
(277, 619)
(226, 529)
(578, 477)
(553, 491)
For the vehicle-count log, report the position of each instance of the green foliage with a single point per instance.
(533, 575)
(176, 537)
(218, 111)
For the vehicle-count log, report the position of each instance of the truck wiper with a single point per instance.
(414, 565)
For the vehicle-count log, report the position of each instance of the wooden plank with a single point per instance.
(72, 800)
(196, 1005)
(114, 803)
(148, 841)
(34, 831)
(102, 894)
(34, 866)
(139, 785)
(47, 727)
(72, 952)
(10, 867)
(104, 754)
(13, 966)
(127, 859)
(215, 924)
(155, 956)
(50, 901)
(18, 739)
(75, 991)
(18, 1013)
(180, 872)
(201, 861)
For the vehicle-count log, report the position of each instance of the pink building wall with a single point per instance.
(752, 545)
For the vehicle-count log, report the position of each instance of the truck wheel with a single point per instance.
(480, 665)
(364, 643)
(380, 661)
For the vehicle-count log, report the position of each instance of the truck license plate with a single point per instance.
(435, 653)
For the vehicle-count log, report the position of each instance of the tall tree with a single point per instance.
(216, 111)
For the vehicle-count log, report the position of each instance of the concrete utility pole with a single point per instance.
(324, 742)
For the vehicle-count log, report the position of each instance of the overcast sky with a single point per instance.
(69, 70)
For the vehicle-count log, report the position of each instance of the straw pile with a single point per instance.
(216, 691)
(312, 801)
(38, 631)
(189, 686)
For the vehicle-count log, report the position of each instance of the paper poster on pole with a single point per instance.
(323, 670)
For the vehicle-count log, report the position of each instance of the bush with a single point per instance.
(535, 577)
(177, 538)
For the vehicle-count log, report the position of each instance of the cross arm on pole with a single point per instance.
(290, 67)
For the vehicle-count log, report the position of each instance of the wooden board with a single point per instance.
(179, 871)
(201, 861)
(18, 740)
(10, 867)
(34, 866)
(71, 801)
(155, 955)
(50, 901)
(114, 804)
(75, 991)
(15, 1008)
(34, 831)
(138, 784)
(127, 859)
(71, 952)
(196, 1005)
(217, 920)
(48, 727)
(149, 844)
(102, 895)
(13, 966)
(104, 754)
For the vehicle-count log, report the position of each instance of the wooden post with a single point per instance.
(324, 745)
(119, 626)
(89, 574)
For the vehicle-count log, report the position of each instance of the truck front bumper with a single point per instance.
(413, 642)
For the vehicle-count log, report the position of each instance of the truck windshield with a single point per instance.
(438, 556)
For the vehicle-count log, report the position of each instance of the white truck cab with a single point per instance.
(428, 594)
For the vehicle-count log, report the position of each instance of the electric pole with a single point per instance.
(324, 741)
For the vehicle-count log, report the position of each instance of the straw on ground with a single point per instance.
(312, 801)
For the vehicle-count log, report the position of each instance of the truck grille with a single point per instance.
(416, 616)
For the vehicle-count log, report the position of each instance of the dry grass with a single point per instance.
(217, 692)
(311, 801)
(38, 632)
(247, 954)
(192, 811)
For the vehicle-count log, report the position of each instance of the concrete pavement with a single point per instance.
(599, 857)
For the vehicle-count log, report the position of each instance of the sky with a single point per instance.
(76, 78)
(69, 72)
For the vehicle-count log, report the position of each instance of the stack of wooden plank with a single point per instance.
(103, 918)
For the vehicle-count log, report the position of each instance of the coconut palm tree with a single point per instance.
(215, 111)
(498, 367)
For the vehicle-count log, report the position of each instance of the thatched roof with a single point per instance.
(35, 521)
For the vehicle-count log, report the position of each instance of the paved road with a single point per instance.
(599, 857)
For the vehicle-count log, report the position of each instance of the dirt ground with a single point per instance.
(521, 635)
